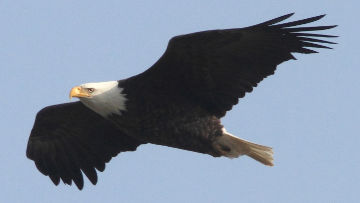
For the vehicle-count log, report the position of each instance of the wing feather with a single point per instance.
(68, 140)
(215, 68)
(300, 22)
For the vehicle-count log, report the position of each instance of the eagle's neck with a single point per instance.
(109, 101)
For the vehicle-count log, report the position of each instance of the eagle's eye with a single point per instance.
(91, 90)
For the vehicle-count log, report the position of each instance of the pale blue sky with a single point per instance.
(308, 111)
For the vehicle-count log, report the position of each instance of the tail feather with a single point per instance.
(233, 147)
(261, 153)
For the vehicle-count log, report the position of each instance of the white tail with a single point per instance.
(232, 147)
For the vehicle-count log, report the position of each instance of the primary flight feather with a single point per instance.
(178, 102)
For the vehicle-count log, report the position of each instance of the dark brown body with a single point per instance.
(167, 119)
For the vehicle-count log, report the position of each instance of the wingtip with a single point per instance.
(290, 14)
(80, 186)
(321, 16)
(55, 179)
(284, 17)
(275, 20)
(316, 18)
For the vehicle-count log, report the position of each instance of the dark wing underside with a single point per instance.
(70, 139)
(215, 68)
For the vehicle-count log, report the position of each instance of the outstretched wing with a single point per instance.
(215, 68)
(70, 139)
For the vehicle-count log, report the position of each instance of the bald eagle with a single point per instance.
(178, 102)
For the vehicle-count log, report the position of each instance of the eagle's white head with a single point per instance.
(105, 98)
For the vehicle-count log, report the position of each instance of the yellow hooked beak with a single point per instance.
(78, 92)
